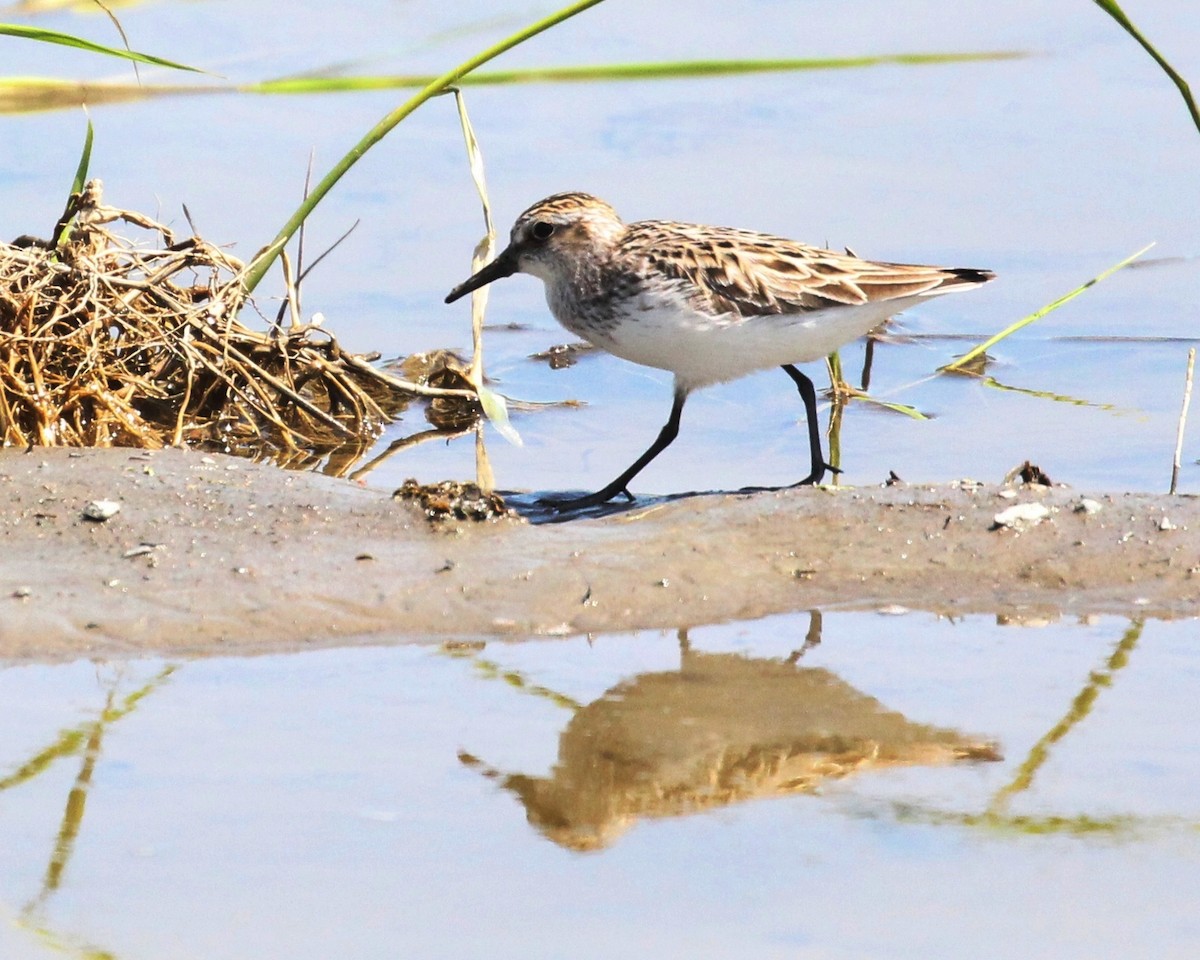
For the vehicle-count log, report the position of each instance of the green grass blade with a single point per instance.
(85, 161)
(27, 94)
(842, 391)
(81, 172)
(1113, 10)
(43, 35)
(262, 262)
(682, 69)
(1038, 314)
(833, 364)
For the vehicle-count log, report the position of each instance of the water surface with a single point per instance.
(615, 796)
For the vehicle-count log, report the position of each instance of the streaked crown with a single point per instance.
(554, 234)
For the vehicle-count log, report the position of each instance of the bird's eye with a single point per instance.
(541, 231)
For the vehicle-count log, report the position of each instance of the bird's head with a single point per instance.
(550, 240)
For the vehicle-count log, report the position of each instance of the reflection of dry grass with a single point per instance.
(104, 342)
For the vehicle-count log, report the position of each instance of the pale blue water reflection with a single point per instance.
(376, 802)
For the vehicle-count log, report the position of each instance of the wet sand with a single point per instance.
(212, 554)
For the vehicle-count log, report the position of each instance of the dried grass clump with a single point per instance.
(107, 342)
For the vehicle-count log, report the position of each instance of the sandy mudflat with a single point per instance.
(211, 554)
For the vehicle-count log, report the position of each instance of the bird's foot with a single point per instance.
(817, 475)
(569, 504)
(811, 480)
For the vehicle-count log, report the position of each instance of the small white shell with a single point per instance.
(100, 510)
(1030, 513)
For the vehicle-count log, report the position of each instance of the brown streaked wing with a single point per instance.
(755, 274)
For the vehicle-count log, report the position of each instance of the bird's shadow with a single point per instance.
(536, 506)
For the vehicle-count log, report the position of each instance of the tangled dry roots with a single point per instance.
(104, 342)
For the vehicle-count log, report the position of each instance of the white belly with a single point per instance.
(701, 349)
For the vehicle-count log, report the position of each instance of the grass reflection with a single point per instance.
(990, 381)
(1080, 707)
(70, 742)
(999, 818)
(85, 741)
(490, 670)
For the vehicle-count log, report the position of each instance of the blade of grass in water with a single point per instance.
(903, 408)
(41, 94)
(966, 358)
(1113, 10)
(843, 391)
(262, 262)
(42, 35)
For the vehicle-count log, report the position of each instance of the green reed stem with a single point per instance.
(970, 355)
(615, 72)
(263, 260)
(1113, 10)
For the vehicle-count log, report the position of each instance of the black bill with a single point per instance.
(503, 266)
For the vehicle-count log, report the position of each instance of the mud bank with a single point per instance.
(214, 554)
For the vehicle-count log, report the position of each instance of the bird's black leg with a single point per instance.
(668, 433)
(809, 395)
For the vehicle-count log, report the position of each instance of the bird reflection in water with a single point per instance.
(722, 729)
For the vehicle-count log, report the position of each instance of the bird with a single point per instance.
(709, 304)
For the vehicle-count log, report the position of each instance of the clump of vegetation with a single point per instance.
(451, 500)
(109, 342)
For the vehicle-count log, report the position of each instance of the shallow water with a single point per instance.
(615, 796)
(1047, 169)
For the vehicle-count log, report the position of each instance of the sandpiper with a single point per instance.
(710, 304)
